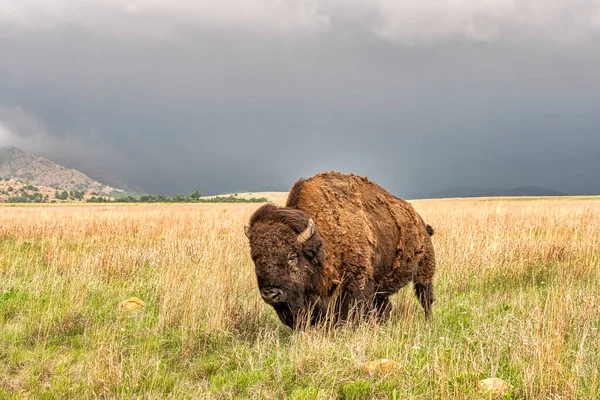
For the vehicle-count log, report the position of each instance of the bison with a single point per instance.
(341, 246)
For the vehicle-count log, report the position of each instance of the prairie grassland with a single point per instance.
(518, 297)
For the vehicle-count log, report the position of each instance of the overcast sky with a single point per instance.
(230, 95)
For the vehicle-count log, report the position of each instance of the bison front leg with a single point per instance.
(383, 307)
(355, 302)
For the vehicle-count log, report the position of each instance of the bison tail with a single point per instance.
(429, 230)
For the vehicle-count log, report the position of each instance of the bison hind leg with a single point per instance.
(424, 292)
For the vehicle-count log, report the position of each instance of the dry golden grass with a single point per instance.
(517, 298)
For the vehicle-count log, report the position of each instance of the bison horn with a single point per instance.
(307, 233)
(247, 231)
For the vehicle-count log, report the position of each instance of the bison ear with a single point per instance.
(247, 231)
(307, 233)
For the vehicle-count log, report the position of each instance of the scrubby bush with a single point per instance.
(32, 188)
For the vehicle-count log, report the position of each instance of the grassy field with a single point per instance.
(518, 297)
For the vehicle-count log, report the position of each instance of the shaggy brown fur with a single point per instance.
(367, 245)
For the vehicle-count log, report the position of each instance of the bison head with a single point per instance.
(288, 256)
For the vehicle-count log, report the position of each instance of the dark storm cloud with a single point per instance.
(230, 96)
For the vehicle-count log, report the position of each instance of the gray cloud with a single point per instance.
(397, 21)
(489, 20)
(226, 96)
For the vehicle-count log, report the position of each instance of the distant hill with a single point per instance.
(32, 169)
(468, 191)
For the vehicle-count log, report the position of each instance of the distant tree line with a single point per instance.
(32, 194)
(194, 197)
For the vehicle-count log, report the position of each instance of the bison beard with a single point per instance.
(342, 244)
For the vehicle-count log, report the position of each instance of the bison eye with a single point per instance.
(293, 258)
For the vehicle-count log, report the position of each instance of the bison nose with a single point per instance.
(272, 295)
